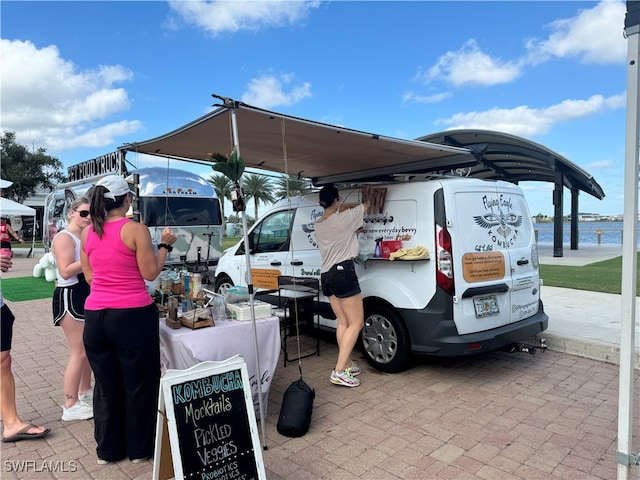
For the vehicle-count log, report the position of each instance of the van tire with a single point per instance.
(384, 339)
(222, 284)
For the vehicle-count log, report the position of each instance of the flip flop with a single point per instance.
(23, 435)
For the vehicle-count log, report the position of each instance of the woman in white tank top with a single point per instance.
(68, 312)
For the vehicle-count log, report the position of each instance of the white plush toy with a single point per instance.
(46, 267)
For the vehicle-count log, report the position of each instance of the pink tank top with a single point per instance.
(117, 282)
(4, 233)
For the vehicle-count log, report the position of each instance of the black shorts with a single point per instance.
(6, 245)
(70, 300)
(341, 280)
(6, 331)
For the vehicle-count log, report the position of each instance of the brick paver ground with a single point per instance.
(494, 416)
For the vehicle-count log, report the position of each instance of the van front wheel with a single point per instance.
(385, 340)
(222, 284)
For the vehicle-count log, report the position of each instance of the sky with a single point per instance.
(82, 78)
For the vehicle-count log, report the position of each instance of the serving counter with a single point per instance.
(183, 348)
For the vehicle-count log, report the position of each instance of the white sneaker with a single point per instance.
(140, 460)
(79, 411)
(86, 397)
(344, 378)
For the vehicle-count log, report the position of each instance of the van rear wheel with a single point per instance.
(385, 340)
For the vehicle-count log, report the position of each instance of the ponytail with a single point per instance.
(100, 206)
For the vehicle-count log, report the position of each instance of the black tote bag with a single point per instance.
(295, 413)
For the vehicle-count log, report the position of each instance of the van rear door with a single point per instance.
(495, 257)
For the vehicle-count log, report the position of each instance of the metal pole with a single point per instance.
(624, 456)
(247, 255)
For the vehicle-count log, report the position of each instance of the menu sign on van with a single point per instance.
(96, 167)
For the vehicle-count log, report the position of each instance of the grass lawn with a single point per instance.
(27, 288)
(603, 276)
(229, 242)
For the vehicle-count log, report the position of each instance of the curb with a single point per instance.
(591, 349)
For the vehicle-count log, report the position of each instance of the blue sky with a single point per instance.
(82, 78)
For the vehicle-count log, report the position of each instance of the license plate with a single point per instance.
(486, 306)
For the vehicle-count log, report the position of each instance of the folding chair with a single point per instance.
(299, 297)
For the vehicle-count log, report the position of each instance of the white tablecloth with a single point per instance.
(183, 348)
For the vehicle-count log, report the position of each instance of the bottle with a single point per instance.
(377, 253)
(172, 305)
(196, 284)
(187, 283)
(219, 311)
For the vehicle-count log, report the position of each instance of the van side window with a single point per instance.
(272, 234)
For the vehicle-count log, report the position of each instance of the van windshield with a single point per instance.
(173, 211)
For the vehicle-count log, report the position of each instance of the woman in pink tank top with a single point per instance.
(121, 333)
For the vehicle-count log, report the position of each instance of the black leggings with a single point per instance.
(123, 348)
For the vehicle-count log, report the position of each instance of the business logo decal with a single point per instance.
(501, 223)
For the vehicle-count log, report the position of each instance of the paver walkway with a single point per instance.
(494, 416)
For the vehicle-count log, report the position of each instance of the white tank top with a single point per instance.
(62, 282)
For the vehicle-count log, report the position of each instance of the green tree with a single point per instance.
(289, 186)
(27, 169)
(259, 188)
(222, 186)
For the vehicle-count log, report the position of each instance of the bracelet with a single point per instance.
(164, 245)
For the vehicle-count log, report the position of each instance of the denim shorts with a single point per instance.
(341, 280)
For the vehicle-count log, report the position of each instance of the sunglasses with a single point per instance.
(83, 213)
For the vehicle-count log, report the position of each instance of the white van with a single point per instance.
(479, 290)
(170, 197)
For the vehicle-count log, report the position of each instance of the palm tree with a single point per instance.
(222, 186)
(259, 188)
(288, 186)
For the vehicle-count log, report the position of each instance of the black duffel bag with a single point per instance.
(295, 413)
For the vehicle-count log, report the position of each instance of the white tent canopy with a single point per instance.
(9, 208)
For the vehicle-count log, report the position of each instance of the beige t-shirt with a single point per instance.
(337, 238)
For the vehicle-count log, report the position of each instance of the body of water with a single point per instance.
(605, 233)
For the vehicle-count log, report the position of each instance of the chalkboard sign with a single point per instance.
(211, 422)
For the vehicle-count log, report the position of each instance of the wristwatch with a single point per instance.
(164, 245)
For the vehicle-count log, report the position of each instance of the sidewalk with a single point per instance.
(493, 416)
(581, 322)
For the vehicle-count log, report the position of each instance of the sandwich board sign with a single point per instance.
(206, 415)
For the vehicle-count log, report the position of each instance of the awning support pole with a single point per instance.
(247, 255)
(624, 457)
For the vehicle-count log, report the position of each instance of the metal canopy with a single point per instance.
(515, 159)
(295, 146)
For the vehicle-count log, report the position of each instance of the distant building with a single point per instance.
(589, 217)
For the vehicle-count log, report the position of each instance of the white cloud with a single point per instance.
(412, 97)
(526, 122)
(595, 36)
(216, 17)
(269, 91)
(470, 66)
(48, 101)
